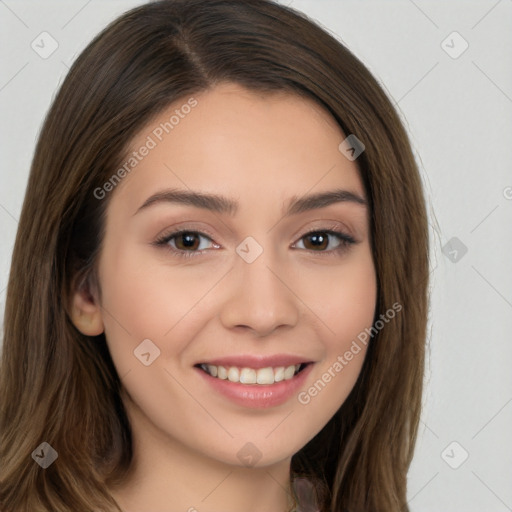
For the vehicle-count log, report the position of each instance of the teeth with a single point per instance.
(234, 374)
(265, 376)
(250, 375)
(279, 374)
(289, 372)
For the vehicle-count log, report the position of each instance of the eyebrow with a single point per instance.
(224, 205)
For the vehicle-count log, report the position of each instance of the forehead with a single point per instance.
(241, 143)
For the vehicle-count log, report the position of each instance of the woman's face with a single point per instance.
(257, 282)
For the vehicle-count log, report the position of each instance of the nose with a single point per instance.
(259, 297)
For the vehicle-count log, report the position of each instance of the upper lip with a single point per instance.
(253, 361)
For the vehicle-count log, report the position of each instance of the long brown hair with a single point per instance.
(60, 386)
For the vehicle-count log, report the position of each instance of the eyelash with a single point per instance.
(345, 242)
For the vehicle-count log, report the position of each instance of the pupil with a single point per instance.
(188, 240)
(318, 240)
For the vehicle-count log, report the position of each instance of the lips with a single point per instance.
(268, 390)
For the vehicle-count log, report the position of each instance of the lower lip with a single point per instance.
(258, 396)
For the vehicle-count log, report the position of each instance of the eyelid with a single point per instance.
(164, 239)
(345, 242)
(173, 231)
(325, 225)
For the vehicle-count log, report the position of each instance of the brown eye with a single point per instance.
(187, 241)
(326, 241)
(316, 241)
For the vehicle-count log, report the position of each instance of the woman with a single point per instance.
(218, 293)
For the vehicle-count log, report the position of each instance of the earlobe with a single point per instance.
(85, 311)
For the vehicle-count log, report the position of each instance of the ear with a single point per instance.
(85, 310)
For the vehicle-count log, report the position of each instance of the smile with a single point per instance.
(262, 376)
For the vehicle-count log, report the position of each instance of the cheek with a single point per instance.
(142, 298)
(343, 297)
(345, 311)
(351, 305)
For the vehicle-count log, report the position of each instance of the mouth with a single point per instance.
(257, 382)
(249, 375)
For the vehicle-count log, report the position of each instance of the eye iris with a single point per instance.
(318, 240)
(187, 241)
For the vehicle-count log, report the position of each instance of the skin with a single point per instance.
(262, 151)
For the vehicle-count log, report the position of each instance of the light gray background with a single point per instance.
(458, 113)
